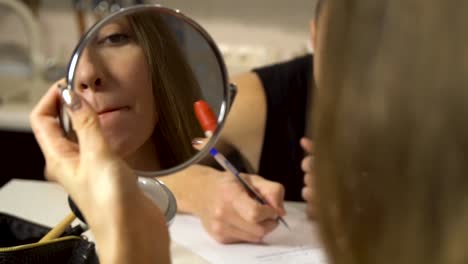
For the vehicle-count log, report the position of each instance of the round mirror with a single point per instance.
(142, 69)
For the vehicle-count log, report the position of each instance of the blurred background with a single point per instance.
(249, 32)
(37, 39)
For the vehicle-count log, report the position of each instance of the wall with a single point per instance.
(249, 33)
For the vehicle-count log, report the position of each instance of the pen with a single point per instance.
(206, 119)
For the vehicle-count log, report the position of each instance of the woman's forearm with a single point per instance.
(191, 187)
(133, 231)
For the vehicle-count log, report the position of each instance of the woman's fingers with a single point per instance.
(57, 149)
(85, 122)
(306, 164)
(271, 191)
(307, 145)
(47, 105)
(199, 143)
(307, 167)
(308, 179)
(236, 217)
(307, 193)
(230, 226)
(43, 119)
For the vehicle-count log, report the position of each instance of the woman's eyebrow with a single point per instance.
(118, 24)
(110, 27)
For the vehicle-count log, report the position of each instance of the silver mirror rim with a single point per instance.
(226, 103)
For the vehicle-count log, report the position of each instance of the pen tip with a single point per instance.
(284, 223)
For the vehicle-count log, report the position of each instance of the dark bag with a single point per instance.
(19, 244)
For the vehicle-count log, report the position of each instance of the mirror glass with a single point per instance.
(142, 69)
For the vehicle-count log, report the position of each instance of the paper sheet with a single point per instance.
(300, 245)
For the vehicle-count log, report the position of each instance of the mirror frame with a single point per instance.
(229, 90)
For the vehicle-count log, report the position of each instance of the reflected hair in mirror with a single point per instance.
(174, 87)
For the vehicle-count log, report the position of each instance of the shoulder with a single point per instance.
(287, 81)
(287, 71)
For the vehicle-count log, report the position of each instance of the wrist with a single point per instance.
(192, 187)
(134, 228)
(108, 211)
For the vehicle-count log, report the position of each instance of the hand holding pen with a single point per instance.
(221, 159)
(208, 122)
(229, 214)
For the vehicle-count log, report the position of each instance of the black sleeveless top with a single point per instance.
(288, 86)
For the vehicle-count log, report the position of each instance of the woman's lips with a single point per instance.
(111, 113)
(111, 109)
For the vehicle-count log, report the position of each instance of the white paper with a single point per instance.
(300, 245)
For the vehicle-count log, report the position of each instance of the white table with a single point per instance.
(46, 203)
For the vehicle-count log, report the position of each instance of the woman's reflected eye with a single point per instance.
(115, 39)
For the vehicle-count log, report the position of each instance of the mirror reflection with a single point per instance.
(142, 73)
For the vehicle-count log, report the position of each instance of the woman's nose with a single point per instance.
(88, 72)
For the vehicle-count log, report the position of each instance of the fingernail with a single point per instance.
(71, 99)
(197, 141)
(60, 87)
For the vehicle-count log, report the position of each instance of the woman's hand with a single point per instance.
(101, 184)
(231, 215)
(307, 163)
(226, 210)
(89, 166)
(228, 213)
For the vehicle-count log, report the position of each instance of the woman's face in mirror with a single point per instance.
(139, 71)
(113, 75)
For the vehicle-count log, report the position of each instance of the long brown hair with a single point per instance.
(391, 131)
(175, 89)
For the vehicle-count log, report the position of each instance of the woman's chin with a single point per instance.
(117, 141)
